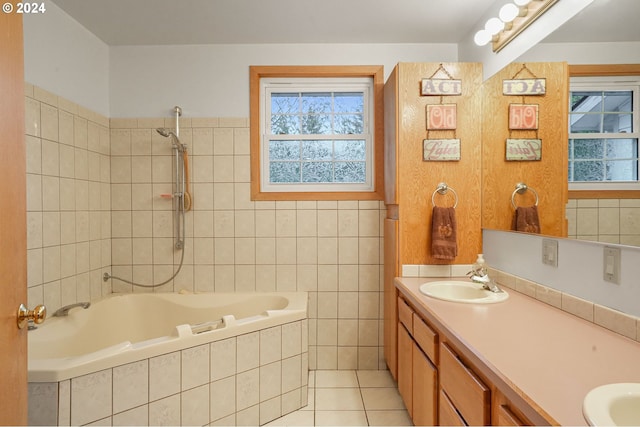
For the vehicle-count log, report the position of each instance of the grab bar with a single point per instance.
(521, 188)
(442, 189)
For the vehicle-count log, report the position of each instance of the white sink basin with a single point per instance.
(458, 291)
(613, 405)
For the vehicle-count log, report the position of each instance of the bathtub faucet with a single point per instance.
(64, 311)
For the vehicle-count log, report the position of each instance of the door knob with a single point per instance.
(38, 315)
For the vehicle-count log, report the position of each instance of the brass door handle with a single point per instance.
(38, 315)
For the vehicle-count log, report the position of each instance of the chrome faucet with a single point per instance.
(64, 311)
(481, 276)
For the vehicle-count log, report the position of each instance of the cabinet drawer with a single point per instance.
(426, 338)
(467, 393)
(447, 414)
(405, 315)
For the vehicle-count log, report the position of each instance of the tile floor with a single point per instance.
(349, 398)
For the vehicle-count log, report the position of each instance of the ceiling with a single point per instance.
(164, 22)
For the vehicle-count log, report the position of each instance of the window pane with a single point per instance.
(284, 124)
(622, 170)
(349, 102)
(285, 103)
(617, 123)
(588, 148)
(583, 102)
(588, 171)
(618, 101)
(316, 124)
(622, 148)
(317, 150)
(318, 102)
(284, 150)
(317, 172)
(585, 123)
(284, 172)
(350, 150)
(349, 124)
(350, 172)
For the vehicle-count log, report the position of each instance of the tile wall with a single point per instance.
(330, 249)
(94, 205)
(605, 220)
(68, 200)
(246, 380)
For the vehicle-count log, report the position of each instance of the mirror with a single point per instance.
(589, 216)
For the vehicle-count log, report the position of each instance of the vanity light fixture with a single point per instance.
(513, 19)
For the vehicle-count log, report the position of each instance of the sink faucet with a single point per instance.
(64, 311)
(481, 276)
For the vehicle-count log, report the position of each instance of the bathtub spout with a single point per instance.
(64, 311)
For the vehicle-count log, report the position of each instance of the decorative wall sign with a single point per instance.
(441, 87)
(441, 116)
(524, 149)
(441, 149)
(523, 116)
(524, 87)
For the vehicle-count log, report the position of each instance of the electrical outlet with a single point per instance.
(611, 265)
(550, 252)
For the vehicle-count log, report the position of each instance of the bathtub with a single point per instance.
(171, 359)
(123, 328)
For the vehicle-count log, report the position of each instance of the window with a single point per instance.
(317, 135)
(603, 133)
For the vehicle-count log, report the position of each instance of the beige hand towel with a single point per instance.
(444, 233)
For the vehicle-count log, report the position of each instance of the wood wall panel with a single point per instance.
(417, 179)
(549, 175)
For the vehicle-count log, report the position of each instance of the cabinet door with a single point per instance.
(405, 374)
(447, 414)
(390, 295)
(425, 389)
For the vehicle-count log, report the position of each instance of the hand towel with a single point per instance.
(526, 219)
(444, 233)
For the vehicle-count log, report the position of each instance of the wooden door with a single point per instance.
(13, 228)
(425, 390)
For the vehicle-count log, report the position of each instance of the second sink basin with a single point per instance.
(613, 405)
(458, 291)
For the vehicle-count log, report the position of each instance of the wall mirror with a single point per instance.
(611, 216)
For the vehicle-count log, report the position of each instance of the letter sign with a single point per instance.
(523, 116)
(524, 149)
(524, 87)
(441, 87)
(441, 116)
(441, 149)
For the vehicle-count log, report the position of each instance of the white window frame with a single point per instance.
(629, 83)
(319, 84)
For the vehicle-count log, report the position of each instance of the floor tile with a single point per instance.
(388, 418)
(341, 418)
(381, 398)
(336, 379)
(338, 399)
(297, 418)
(368, 379)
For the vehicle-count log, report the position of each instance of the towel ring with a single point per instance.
(521, 187)
(442, 190)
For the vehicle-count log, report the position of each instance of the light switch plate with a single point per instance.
(550, 252)
(611, 265)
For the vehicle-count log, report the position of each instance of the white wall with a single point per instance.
(63, 57)
(585, 53)
(213, 80)
(579, 271)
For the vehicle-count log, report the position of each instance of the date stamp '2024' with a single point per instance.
(24, 8)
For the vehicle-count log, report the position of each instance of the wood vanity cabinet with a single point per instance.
(417, 373)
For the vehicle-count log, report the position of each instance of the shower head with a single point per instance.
(175, 141)
(165, 132)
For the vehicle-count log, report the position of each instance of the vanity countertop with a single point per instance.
(552, 357)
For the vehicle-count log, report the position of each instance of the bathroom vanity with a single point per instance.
(516, 362)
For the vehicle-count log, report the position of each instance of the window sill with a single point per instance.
(604, 194)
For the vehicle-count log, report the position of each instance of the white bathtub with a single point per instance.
(124, 328)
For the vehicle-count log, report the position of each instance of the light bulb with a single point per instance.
(494, 26)
(521, 2)
(508, 12)
(482, 37)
